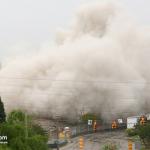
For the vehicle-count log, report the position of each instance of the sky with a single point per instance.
(26, 24)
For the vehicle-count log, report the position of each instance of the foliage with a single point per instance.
(144, 133)
(2, 112)
(131, 132)
(88, 116)
(15, 128)
(18, 143)
(4, 147)
(37, 129)
(110, 147)
(12, 131)
(15, 117)
(37, 142)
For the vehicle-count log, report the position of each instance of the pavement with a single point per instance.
(97, 141)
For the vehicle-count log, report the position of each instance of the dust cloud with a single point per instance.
(100, 64)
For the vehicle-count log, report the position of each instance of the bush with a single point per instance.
(144, 133)
(12, 131)
(37, 143)
(110, 147)
(15, 129)
(18, 143)
(131, 132)
(37, 129)
(16, 116)
(4, 147)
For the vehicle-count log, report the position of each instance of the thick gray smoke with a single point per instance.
(101, 63)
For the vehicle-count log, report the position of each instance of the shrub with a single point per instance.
(110, 147)
(131, 132)
(16, 116)
(15, 129)
(18, 143)
(144, 133)
(37, 129)
(37, 142)
(4, 147)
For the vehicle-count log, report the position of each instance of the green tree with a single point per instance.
(18, 143)
(12, 131)
(2, 112)
(15, 117)
(4, 147)
(15, 129)
(143, 131)
(88, 116)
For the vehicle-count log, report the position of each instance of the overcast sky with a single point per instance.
(29, 23)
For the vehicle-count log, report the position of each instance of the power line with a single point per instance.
(77, 81)
(65, 94)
